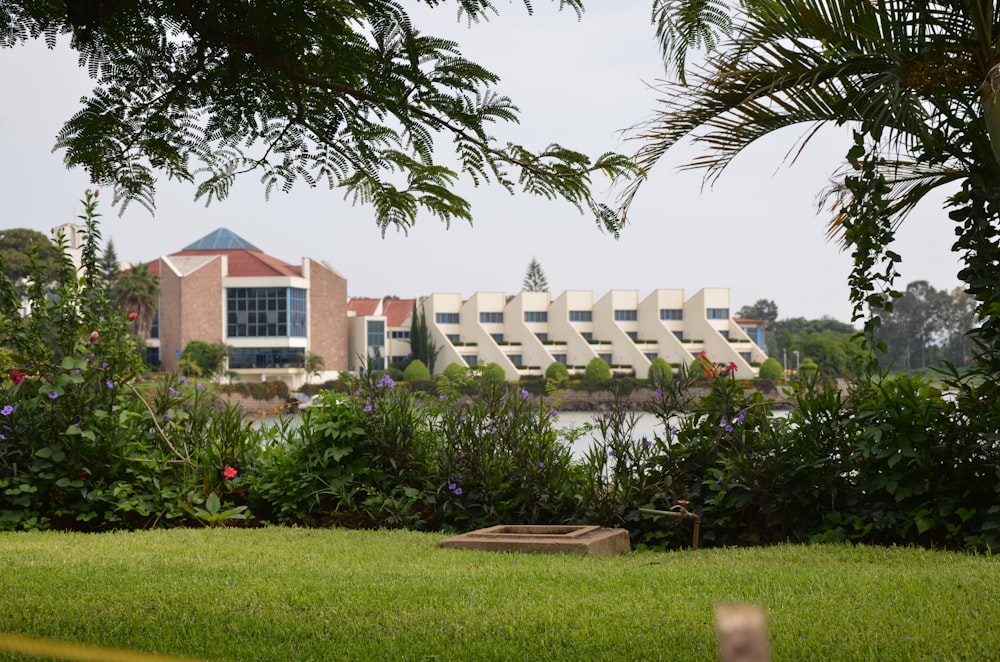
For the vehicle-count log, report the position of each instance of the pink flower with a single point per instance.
(132, 316)
(94, 335)
(16, 375)
(229, 473)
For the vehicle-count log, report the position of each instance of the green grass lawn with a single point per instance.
(297, 594)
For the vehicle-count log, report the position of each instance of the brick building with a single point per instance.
(222, 288)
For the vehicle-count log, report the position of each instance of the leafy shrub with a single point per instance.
(808, 369)
(454, 372)
(493, 373)
(557, 374)
(771, 370)
(597, 370)
(417, 372)
(660, 372)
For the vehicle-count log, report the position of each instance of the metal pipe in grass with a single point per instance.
(683, 513)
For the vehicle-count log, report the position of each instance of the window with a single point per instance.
(376, 333)
(587, 335)
(634, 335)
(265, 312)
(679, 335)
(746, 356)
(491, 318)
(724, 334)
(453, 338)
(399, 335)
(671, 314)
(153, 356)
(560, 358)
(542, 336)
(717, 313)
(446, 318)
(497, 337)
(515, 359)
(605, 357)
(626, 315)
(472, 360)
(154, 332)
(398, 359)
(651, 356)
(536, 316)
(266, 357)
(581, 316)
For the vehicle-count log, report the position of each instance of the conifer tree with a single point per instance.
(534, 279)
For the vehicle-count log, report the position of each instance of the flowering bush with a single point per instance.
(81, 448)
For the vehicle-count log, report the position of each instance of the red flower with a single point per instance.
(229, 473)
(97, 192)
(132, 316)
(16, 375)
(732, 367)
(683, 502)
(83, 475)
(94, 335)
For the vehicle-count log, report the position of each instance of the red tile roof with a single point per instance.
(246, 263)
(362, 307)
(396, 312)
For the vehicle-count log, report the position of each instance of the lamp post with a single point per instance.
(796, 353)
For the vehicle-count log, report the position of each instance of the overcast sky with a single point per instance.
(579, 83)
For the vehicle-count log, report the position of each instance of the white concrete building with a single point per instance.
(528, 332)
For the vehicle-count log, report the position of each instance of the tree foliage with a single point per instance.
(918, 83)
(597, 370)
(17, 245)
(416, 372)
(534, 278)
(765, 310)
(422, 346)
(349, 93)
(203, 359)
(137, 290)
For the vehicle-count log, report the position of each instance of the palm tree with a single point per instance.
(136, 290)
(917, 80)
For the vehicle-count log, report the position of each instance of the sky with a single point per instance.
(582, 83)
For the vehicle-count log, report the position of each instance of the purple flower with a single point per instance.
(723, 423)
(2, 436)
(385, 381)
(7, 410)
(172, 390)
(184, 379)
(607, 415)
(647, 442)
(109, 384)
(554, 413)
(541, 465)
(524, 393)
(463, 418)
(455, 489)
(368, 408)
(441, 397)
(104, 364)
(53, 395)
(493, 430)
(740, 416)
(659, 393)
(729, 428)
(458, 491)
(200, 386)
(611, 452)
(672, 432)
(357, 393)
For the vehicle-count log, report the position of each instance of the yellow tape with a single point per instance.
(13, 643)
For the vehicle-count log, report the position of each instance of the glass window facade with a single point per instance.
(497, 337)
(581, 316)
(446, 318)
(265, 312)
(670, 314)
(376, 333)
(536, 316)
(542, 336)
(471, 360)
(243, 358)
(399, 335)
(652, 356)
(515, 359)
(634, 335)
(453, 338)
(491, 318)
(626, 315)
(605, 357)
(717, 313)
(560, 358)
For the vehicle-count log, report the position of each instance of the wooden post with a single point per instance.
(742, 633)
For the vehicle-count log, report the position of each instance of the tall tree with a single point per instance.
(918, 83)
(765, 310)
(422, 346)
(345, 92)
(138, 291)
(109, 265)
(16, 248)
(534, 278)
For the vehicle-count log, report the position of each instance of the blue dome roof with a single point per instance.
(220, 240)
